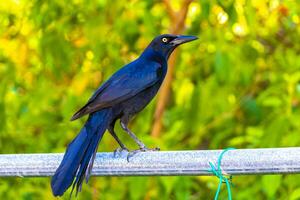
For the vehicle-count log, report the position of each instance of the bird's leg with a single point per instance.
(132, 135)
(122, 146)
(142, 146)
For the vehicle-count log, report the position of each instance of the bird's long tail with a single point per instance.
(80, 154)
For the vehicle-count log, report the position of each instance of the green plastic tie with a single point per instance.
(218, 172)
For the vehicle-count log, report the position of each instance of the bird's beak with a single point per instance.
(183, 39)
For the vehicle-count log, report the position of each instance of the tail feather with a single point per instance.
(80, 154)
(82, 171)
(90, 164)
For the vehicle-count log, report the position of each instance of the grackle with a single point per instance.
(122, 96)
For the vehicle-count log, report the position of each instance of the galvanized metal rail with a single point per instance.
(166, 163)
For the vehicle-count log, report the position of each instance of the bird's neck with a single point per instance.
(152, 55)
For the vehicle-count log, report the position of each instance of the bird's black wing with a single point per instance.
(124, 84)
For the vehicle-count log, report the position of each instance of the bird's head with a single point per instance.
(166, 43)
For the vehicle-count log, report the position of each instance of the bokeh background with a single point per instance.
(237, 86)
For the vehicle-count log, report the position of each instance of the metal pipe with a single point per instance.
(175, 163)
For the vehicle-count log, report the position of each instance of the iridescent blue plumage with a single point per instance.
(123, 95)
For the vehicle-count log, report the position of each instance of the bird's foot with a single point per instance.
(142, 149)
(120, 150)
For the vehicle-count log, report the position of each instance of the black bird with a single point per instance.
(122, 96)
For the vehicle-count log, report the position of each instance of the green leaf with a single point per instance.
(270, 184)
(295, 194)
(222, 66)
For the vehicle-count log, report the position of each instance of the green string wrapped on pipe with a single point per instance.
(222, 179)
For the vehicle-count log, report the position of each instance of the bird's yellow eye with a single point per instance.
(164, 40)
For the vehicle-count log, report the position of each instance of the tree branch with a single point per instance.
(170, 10)
(179, 24)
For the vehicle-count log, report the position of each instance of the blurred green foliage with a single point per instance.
(237, 86)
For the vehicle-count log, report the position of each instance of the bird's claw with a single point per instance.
(119, 151)
(142, 149)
